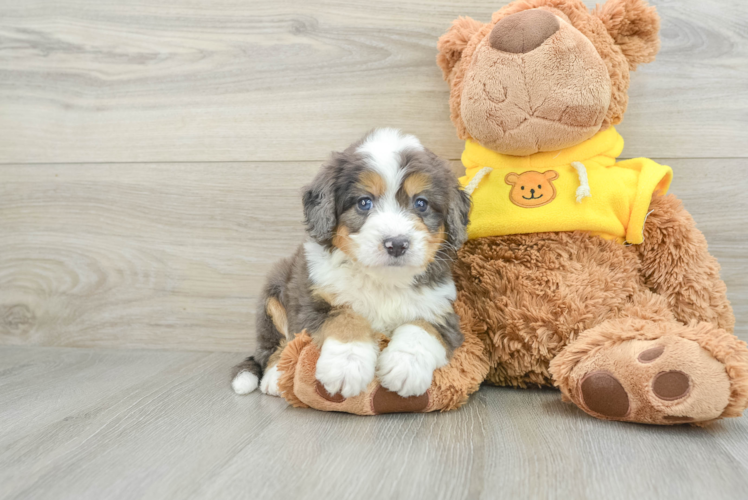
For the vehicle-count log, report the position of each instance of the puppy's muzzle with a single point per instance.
(397, 246)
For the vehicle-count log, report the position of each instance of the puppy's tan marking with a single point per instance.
(277, 314)
(433, 241)
(324, 295)
(373, 183)
(344, 325)
(416, 183)
(429, 328)
(343, 241)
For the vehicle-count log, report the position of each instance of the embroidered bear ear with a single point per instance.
(453, 42)
(634, 26)
(511, 178)
(551, 175)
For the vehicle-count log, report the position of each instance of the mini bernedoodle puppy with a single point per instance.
(384, 219)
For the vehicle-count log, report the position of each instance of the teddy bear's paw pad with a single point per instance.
(672, 385)
(651, 354)
(602, 393)
(670, 380)
(386, 401)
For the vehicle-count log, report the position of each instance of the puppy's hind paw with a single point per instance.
(244, 382)
(407, 365)
(346, 367)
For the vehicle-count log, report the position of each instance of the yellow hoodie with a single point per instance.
(579, 188)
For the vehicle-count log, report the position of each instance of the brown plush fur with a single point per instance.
(632, 24)
(287, 364)
(532, 294)
(548, 304)
(685, 274)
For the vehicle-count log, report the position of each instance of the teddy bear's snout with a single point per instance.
(524, 31)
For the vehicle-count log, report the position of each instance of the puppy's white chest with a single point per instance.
(388, 301)
(387, 308)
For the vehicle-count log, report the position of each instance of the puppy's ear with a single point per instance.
(634, 26)
(453, 42)
(319, 205)
(458, 217)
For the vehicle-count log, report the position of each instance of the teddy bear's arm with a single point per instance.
(676, 264)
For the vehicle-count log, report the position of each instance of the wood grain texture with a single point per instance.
(142, 255)
(174, 255)
(228, 80)
(120, 424)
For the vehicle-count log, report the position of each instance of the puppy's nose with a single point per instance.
(524, 31)
(397, 246)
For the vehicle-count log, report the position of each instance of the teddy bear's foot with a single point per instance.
(376, 400)
(665, 381)
(450, 386)
(671, 379)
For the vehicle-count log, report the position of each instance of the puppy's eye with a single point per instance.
(421, 204)
(365, 204)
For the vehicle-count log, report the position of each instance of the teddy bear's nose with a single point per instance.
(524, 31)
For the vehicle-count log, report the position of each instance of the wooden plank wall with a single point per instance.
(152, 153)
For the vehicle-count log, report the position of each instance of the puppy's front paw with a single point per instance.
(346, 367)
(407, 365)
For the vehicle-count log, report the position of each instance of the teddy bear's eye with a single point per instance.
(522, 188)
(539, 186)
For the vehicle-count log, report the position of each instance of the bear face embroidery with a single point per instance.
(532, 189)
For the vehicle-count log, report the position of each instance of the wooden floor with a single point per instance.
(151, 157)
(95, 424)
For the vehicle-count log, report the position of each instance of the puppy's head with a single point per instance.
(386, 201)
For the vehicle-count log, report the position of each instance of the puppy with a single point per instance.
(384, 219)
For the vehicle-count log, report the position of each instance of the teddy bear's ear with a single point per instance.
(511, 178)
(453, 42)
(634, 26)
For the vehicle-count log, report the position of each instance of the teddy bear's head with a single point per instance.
(545, 74)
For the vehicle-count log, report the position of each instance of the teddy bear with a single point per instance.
(580, 271)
